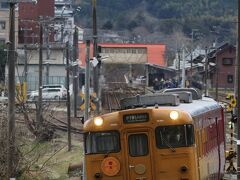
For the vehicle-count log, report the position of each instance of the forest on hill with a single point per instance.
(208, 20)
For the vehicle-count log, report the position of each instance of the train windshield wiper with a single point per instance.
(167, 143)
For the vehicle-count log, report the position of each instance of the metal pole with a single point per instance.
(183, 69)
(216, 98)
(147, 74)
(96, 70)
(206, 73)
(238, 93)
(179, 69)
(87, 81)
(75, 70)
(39, 109)
(191, 53)
(48, 55)
(25, 73)
(130, 73)
(11, 93)
(68, 98)
(47, 72)
(86, 94)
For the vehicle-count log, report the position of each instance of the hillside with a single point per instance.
(214, 19)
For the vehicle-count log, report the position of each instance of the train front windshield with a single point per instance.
(102, 142)
(175, 136)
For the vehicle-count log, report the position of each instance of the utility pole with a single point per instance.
(25, 74)
(192, 38)
(87, 81)
(75, 70)
(24, 88)
(216, 88)
(39, 109)
(47, 54)
(238, 92)
(147, 74)
(179, 63)
(11, 166)
(11, 93)
(86, 94)
(68, 98)
(183, 69)
(191, 53)
(96, 70)
(206, 73)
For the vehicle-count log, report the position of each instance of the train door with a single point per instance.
(140, 158)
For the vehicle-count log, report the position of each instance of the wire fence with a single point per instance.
(32, 82)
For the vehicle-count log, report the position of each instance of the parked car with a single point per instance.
(53, 86)
(3, 100)
(50, 94)
(141, 80)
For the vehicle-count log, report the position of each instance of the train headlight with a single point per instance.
(98, 121)
(174, 115)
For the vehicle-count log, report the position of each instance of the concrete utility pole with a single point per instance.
(39, 109)
(192, 35)
(11, 92)
(11, 166)
(86, 94)
(25, 74)
(191, 51)
(179, 69)
(216, 88)
(183, 69)
(87, 81)
(24, 88)
(96, 70)
(46, 32)
(68, 98)
(206, 73)
(75, 70)
(238, 92)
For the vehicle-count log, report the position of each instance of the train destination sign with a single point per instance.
(136, 118)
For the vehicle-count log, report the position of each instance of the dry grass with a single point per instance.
(39, 160)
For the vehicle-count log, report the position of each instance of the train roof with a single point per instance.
(199, 106)
(186, 99)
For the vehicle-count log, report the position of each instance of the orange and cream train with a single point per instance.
(173, 135)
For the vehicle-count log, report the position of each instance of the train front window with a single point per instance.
(175, 136)
(102, 142)
(138, 145)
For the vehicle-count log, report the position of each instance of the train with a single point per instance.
(174, 134)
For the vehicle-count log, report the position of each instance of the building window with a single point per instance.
(111, 50)
(2, 25)
(4, 5)
(2, 41)
(230, 78)
(227, 61)
(142, 50)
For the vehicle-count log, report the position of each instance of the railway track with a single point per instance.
(115, 92)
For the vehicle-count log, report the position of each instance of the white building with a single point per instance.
(64, 18)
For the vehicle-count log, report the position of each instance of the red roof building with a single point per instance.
(127, 53)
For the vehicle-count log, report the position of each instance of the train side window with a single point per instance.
(138, 145)
(189, 134)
